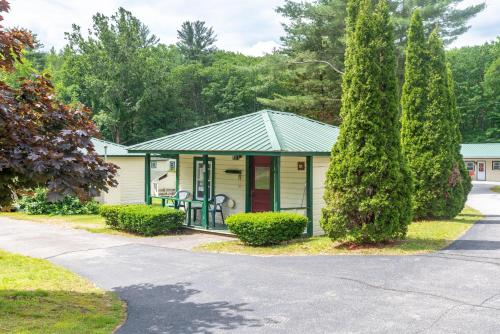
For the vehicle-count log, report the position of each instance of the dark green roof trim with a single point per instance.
(267, 131)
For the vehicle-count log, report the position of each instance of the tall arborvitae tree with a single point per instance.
(417, 147)
(459, 181)
(368, 186)
(430, 134)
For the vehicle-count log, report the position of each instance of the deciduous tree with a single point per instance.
(43, 142)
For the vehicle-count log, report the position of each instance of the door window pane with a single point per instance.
(262, 178)
(200, 169)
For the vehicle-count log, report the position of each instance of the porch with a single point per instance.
(238, 183)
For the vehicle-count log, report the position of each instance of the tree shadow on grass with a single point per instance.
(167, 309)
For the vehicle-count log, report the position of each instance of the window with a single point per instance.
(154, 164)
(199, 169)
(495, 165)
(469, 165)
(262, 177)
(171, 164)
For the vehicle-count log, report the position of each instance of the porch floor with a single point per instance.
(218, 228)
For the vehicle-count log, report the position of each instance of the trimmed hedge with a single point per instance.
(142, 219)
(37, 204)
(266, 228)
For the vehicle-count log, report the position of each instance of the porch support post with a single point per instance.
(177, 173)
(248, 183)
(205, 191)
(309, 192)
(276, 164)
(147, 179)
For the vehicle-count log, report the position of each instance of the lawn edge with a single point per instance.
(200, 248)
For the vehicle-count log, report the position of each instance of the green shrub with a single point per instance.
(142, 219)
(266, 228)
(37, 204)
(110, 214)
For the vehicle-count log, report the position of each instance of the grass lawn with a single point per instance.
(39, 297)
(91, 223)
(495, 189)
(423, 237)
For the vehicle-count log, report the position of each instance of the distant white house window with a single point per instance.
(154, 164)
(171, 164)
(469, 165)
(495, 165)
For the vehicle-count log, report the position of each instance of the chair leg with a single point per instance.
(213, 217)
(222, 216)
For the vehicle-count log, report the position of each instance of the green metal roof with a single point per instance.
(266, 131)
(483, 150)
(111, 149)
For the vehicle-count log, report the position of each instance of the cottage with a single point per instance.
(130, 175)
(482, 161)
(263, 161)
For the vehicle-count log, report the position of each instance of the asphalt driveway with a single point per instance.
(171, 290)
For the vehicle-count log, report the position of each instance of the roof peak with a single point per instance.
(277, 131)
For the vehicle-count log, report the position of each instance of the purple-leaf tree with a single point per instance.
(44, 142)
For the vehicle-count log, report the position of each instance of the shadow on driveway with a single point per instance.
(166, 309)
(474, 245)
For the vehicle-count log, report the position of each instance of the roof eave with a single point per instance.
(252, 153)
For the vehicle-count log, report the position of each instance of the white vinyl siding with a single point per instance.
(320, 167)
(130, 177)
(491, 174)
(293, 185)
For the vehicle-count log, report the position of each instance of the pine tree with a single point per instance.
(368, 186)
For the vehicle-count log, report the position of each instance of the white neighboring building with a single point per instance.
(162, 176)
(482, 161)
(130, 175)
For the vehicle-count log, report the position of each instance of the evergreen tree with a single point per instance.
(414, 100)
(430, 128)
(195, 40)
(368, 185)
(459, 181)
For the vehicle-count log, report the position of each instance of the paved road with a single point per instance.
(176, 291)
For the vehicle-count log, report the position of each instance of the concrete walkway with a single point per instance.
(169, 290)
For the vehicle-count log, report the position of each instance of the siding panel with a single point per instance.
(320, 166)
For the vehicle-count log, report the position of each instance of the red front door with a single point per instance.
(261, 184)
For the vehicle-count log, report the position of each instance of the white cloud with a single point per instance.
(485, 26)
(260, 48)
(246, 26)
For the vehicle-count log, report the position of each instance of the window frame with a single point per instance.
(197, 160)
(493, 165)
(467, 162)
(172, 165)
(153, 164)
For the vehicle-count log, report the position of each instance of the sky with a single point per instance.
(251, 27)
